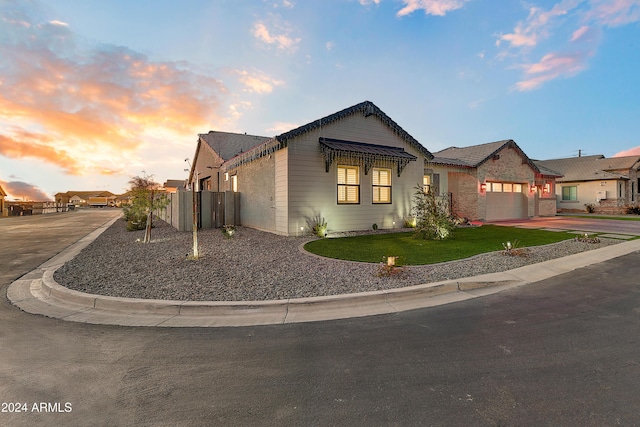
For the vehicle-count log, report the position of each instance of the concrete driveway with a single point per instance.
(617, 227)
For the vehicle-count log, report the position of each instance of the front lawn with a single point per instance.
(465, 243)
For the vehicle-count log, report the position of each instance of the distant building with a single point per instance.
(2, 196)
(88, 198)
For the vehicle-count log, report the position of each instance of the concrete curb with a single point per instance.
(38, 293)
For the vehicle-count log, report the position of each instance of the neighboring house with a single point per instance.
(2, 196)
(609, 185)
(174, 185)
(355, 168)
(86, 198)
(494, 181)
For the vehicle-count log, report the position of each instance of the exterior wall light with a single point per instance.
(483, 187)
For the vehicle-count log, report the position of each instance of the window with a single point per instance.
(426, 183)
(507, 188)
(348, 184)
(381, 185)
(570, 193)
(234, 183)
(517, 188)
(496, 187)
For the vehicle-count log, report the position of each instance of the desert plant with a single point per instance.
(229, 231)
(513, 249)
(591, 208)
(433, 218)
(410, 222)
(586, 239)
(318, 226)
(389, 267)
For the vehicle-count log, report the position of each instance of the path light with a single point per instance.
(508, 246)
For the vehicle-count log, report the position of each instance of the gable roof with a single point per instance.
(476, 155)
(228, 145)
(592, 168)
(366, 108)
(86, 194)
(2, 193)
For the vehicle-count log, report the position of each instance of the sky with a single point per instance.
(93, 93)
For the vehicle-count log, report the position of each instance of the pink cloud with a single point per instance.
(635, 151)
(431, 7)
(614, 13)
(86, 108)
(550, 67)
(281, 41)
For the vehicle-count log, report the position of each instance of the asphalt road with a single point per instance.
(564, 351)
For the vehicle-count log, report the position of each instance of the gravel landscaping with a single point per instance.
(255, 265)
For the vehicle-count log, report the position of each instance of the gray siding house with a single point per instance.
(355, 168)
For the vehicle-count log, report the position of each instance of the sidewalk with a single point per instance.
(37, 293)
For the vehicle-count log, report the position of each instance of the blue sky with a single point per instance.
(95, 92)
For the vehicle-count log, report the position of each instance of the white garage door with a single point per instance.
(506, 201)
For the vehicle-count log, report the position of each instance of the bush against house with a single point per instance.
(432, 213)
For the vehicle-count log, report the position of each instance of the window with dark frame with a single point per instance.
(381, 179)
(348, 185)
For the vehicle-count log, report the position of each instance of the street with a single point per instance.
(564, 351)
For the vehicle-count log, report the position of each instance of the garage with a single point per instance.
(506, 200)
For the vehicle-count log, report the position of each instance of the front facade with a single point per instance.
(354, 168)
(495, 181)
(357, 169)
(596, 183)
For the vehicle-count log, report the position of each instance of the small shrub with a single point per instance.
(633, 210)
(229, 231)
(136, 225)
(513, 249)
(389, 267)
(591, 208)
(586, 239)
(410, 222)
(374, 226)
(318, 226)
(433, 218)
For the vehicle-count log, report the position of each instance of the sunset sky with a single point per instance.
(95, 92)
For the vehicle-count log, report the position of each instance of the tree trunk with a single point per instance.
(147, 231)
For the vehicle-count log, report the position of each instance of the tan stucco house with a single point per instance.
(608, 185)
(494, 181)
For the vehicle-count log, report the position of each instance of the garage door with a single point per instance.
(506, 201)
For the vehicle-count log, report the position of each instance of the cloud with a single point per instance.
(280, 41)
(281, 127)
(635, 151)
(550, 67)
(330, 45)
(613, 13)
(588, 18)
(431, 7)
(18, 190)
(257, 81)
(87, 108)
(368, 2)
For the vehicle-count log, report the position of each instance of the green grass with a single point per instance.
(465, 243)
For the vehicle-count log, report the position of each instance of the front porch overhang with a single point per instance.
(368, 154)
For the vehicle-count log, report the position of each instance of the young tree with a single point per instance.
(145, 199)
(433, 218)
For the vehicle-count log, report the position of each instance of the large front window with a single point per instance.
(348, 184)
(381, 185)
(570, 193)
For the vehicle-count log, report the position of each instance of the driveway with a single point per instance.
(589, 225)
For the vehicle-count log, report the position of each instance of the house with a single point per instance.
(174, 185)
(494, 181)
(608, 185)
(355, 168)
(86, 198)
(2, 196)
